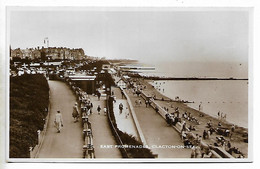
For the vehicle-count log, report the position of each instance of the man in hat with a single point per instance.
(58, 121)
(75, 113)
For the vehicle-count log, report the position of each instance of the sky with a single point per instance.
(136, 33)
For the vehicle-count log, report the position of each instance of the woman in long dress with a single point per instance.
(75, 113)
(58, 121)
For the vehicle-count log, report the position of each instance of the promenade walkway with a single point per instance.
(68, 143)
(124, 120)
(102, 135)
(157, 133)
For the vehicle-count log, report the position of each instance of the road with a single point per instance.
(68, 143)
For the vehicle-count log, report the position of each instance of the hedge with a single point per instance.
(29, 100)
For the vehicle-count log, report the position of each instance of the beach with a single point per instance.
(238, 136)
(229, 97)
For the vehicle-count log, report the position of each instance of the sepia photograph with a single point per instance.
(97, 84)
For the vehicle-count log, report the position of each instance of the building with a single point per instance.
(51, 53)
(16, 53)
(86, 83)
(121, 83)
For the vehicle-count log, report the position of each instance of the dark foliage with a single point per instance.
(29, 99)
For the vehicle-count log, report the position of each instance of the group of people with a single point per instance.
(138, 102)
(85, 105)
(222, 116)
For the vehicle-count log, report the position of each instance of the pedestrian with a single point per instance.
(209, 133)
(218, 114)
(58, 121)
(136, 102)
(225, 117)
(205, 134)
(232, 128)
(200, 107)
(146, 103)
(98, 95)
(219, 124)
(183, 127)
(140, 102)
(91, 107)
(105, 111)
(193, 152)
(122, 93)
(75, 113)
(120, 108)
(156, 109)
(98, 109)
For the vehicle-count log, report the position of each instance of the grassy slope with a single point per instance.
(29, 99)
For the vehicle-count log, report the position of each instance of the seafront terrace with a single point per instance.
(156, 132)
(164, 104)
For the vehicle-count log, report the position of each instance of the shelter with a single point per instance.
(86, 83)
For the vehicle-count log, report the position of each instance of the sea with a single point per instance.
(230, 97)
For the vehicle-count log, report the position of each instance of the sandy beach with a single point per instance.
(237, 138)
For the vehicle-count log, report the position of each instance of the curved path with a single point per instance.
(68, 143)
(162, 139)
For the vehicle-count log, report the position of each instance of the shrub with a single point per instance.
(29, 99)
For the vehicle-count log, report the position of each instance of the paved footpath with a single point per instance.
(157, 132)
(102, 135)
(124, 120)
(68, 143)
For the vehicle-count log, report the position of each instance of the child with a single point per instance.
(98, 109)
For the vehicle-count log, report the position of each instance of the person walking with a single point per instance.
(156, 109)
(146, 103)
(91, 107)
(120, 108)
(75, 113)
(140, 102)
(105, 111)
(219, 115)
(122, 94)
(200, 107)
(58, 121)
(98, 95)
(98, 109)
